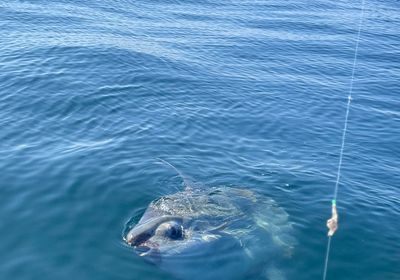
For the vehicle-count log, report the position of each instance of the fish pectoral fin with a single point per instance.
(273, 273)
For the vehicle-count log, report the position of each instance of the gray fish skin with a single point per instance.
(143, 232)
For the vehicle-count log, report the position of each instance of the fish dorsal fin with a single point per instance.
(186, 180)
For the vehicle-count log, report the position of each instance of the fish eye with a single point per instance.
(176, 232)
(172, 230)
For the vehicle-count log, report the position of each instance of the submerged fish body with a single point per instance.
(214, 233)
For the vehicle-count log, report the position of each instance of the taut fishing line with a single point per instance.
(349, 99)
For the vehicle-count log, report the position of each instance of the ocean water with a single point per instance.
(233, 93)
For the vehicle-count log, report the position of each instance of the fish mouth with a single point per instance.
(149, 251)
(145, 248)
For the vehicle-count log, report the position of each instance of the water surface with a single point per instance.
(234, 93)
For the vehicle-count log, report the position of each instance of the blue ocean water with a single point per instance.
(233, 93)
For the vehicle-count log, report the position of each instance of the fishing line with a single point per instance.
(349, 98)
